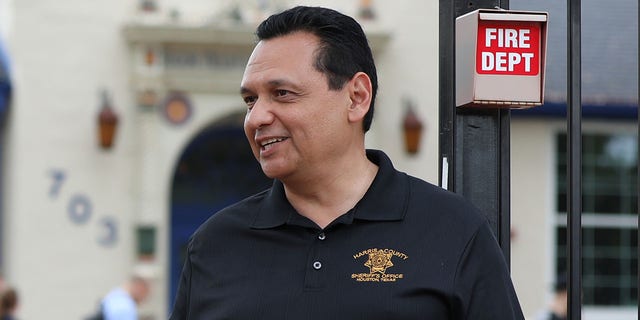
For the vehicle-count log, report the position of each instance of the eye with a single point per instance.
(250, 101)
(281, 93)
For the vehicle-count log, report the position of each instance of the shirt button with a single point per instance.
(322, 236)
(317, 265)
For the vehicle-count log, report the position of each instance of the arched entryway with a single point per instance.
(215, 170)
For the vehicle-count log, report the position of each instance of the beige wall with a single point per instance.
(62, 55)
(532, 209)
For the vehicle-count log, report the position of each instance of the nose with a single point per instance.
(259, 116)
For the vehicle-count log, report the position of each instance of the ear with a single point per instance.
(360, 92)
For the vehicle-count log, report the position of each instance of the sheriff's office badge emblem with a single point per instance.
(379, 260)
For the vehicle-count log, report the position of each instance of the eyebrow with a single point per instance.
(279, 82)
(271, 83)
(244, 90)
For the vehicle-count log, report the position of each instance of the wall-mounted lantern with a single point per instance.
(150, 57)
(107, 122)
(412, 127)
(148, 5)
(366, 11)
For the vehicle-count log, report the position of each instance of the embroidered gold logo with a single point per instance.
(379, 260)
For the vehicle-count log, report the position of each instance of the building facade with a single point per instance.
(79, 217)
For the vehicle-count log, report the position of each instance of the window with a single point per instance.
(609, 206)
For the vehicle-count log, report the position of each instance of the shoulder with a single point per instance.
(443, 217)
(437, 203)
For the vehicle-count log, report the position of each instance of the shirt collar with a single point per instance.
(386, 199)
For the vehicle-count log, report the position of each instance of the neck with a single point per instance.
(559, 305)
(332, 191)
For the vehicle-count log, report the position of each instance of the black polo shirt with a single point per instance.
(407, 250)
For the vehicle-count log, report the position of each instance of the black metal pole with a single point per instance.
(574, 115)
(505, 175)
(447, 93)
(638, 171)
(505, 185)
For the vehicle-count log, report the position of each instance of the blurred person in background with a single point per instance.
(557, 309)
(122, 302)
(9, 304)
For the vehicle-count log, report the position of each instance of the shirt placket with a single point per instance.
(317, 264)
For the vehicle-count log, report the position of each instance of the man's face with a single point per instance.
(140, 292)
(294, 123)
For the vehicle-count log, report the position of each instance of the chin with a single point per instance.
(270, 175)
(270, 172)
(274, 172)
(280, 166)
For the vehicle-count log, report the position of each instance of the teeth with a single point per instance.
(270, 141)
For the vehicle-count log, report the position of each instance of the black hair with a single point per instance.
(561, 283)
(344, 49)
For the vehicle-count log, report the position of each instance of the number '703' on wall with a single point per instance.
(80, 210)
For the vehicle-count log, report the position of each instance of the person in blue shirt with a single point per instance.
(122, 302)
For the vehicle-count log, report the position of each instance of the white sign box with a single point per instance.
(500, 58)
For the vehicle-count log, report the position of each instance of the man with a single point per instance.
(121, 303)
(341, 234)
(557, 309)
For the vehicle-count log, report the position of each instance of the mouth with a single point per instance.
(266, 144)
